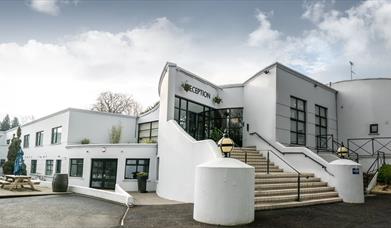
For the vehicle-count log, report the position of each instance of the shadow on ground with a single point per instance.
(376, 212)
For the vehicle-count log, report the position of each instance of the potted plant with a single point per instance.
(217, 99)
(186, 86)
(142, 178)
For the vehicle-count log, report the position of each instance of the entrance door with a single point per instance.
(103, 173)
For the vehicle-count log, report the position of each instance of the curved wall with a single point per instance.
(361, 103)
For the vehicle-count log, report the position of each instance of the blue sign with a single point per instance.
(355, 171)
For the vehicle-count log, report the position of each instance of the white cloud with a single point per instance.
(263, 35)
(45, 6)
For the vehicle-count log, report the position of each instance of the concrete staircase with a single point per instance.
(278, 189)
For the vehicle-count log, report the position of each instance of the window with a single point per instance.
(298, 121)
(56, 135)
(26, 141)
(374, 129)
(49, 167)
(147, 132)
(33, 168)
(134, 166)
(76, 167)
(8, 141)
(39, 138)
(58, 166)
(321, 126)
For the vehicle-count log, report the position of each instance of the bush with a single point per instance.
(115, 134)
(384, 175)
(85, 141)
(8, 167)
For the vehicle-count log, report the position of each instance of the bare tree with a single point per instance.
(117, 103)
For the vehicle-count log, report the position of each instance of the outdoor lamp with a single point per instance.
(226, 145)
(342, 151)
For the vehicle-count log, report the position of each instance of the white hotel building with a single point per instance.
(277, 109)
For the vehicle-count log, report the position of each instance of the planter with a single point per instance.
(142, 183)
(60, 183)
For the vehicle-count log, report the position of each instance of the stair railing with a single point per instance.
(376, 164)
(287, 163)
(370, 145)
(334, 145)
(291, 153)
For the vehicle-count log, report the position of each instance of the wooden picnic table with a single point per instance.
(19, 180)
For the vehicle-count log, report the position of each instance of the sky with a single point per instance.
(56, 54)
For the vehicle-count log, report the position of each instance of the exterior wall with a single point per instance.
(96, 126)
(289, 84)
(361, 103)
(3, 146)
(153, 115)
(113, 151)
(259, 97)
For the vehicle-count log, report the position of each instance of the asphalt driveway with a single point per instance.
(376, 212)
(59, 211)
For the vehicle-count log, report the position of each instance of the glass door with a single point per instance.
(103, 173)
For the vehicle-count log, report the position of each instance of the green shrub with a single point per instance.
(115, 134)
(384, 175)
(85, 141)
(142, 174)
(8, 167)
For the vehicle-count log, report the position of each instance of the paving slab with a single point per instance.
(151, 198)
(71, 210)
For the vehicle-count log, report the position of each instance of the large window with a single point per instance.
(56, 135)
(298, 121)
(26, 141)
(147, 132)
(203, 122)
(76, 167)
(58, 166)
(39, 138)
(33, 168)
(49, 168)
(321, 126)
(134, 166)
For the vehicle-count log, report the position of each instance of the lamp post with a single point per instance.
(226, 145)
(342, 151)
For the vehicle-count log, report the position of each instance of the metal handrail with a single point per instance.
(372, 140)
(283, 153)
(338, 145)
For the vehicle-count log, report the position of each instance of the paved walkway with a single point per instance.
(68, 211)
(374, 213)
(40, 190)
(151, 198)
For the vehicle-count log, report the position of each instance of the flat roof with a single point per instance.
(361, 79)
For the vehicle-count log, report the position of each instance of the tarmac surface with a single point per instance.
(69, 211)
(74, 210)
(376, 212)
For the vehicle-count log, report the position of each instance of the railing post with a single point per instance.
(332, 143)
(298, 187)
(245, 156)
(267, 165)
(373, 147)
(384, 158)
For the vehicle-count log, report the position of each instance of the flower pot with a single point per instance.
(60, 183)
(142, 183)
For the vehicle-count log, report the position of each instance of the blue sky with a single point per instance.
(62, 53)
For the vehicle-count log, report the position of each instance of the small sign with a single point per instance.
(355, 171)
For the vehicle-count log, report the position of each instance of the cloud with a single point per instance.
(263, 35)
(49, 7)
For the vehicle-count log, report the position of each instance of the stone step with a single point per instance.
(259, 163)
(270, 206)
(293, 191)
(286, 180)
(270, 171)
(249, 154)
(293, 197)
(289, 185)
(281, 175)
(249, 157)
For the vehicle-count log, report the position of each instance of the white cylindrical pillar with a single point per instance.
(348, 180)
(224, 192)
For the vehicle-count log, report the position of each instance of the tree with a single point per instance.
(117, 103)
(6, 123)
(149, 108)
(13, 149)
(15, 122)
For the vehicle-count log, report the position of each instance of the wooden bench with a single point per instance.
(3, 182)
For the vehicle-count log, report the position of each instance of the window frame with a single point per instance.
(35, 162)
(318, 124)
(39, 138)
(47, 162)
(26, 143)
(297, 121)
(147, 165)
(150, 129)
(56, 136)
(77, 165)
(371, 129)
